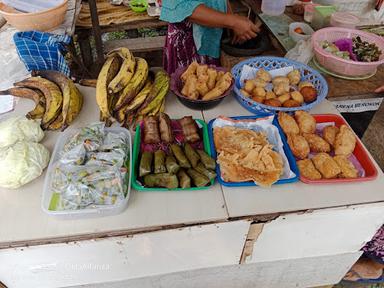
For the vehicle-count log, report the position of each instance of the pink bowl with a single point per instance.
(339, 65)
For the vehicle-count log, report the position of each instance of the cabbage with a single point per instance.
(19, 128)
(22, 163)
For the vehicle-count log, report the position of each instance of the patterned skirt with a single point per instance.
(180, 49)
(374, 249)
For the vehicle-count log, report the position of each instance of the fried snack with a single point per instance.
(296, 95)
(288, 123)
(306, 122)
(281, 88)
(294, 77)
(259, 82)
(305, 84)
(201, 85)
(329, 134)
(201, 70)
(220, 74)
(272, 102)
(291, 103)
(348, 170)
(308, 170)
(258, 99)
(264, 75)
(345, 141)
(212, 74)
(326, 165)
(249, 85)
(299, 146)
(284, 97)
(309, 94)
(190, 90)
(191, 70)
(258, 91)
(316, 143)
(245, 93)
(280, 79)
(220, 88)
(165, 128)
(270, 95)
(151, 130)
(190, 129)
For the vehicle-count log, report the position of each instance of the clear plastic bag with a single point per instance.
(91, 137)
(302, 52)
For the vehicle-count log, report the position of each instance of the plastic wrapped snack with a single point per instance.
(91, 137)
(76, 155)
(113, 158)
(114, 141)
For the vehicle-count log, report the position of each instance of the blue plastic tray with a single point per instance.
(287, 151)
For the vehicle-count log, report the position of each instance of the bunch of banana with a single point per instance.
(57, 99)
(126, 90)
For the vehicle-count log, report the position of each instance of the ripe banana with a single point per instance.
(156, 103)
(31, 94)
(57, 124)
(161, 80)
(52, 94)
(158, 109)
(134, 86)
(125, 74)
(72, 98)
(107, 73)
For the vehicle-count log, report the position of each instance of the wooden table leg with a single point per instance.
(96, 32)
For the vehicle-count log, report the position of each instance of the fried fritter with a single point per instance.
(326, 165)
(306, 122)
(298, 145)
(348, 170)
(308, 170)
(288, 123)
(329, 134)
(345, 141)
(316, 143)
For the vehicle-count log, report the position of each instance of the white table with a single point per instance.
(191, 239)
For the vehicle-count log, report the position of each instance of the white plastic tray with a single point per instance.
(99, 211)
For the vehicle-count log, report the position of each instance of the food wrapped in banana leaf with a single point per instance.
(164, 180)
(165, 128)
(198, 179)
(191, 154)
(151, 130)
(190, 129)
(202, 170)
(208, 161)
(145, 164)
(180, 156)
(159, 163)
(184, 179)
(171, 164)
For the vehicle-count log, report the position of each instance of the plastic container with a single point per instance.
(344, 20)
(269, 63)
(105, 210)
(339, 65)
(309, 11)
(138, 6)
(33, 6)
(136, 152)
(360, 153)
(273, 7)
(356, 6)
(42, 21)
(322, 16)
(296, 36)
(287, 151)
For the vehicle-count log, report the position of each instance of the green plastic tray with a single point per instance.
(136, 151)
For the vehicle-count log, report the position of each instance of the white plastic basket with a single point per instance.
(102, 210)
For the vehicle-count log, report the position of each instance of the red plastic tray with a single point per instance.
(360, 153)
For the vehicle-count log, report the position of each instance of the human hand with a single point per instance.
(380, 89)
(243, 29)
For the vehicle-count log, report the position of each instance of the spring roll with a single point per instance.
(191, 154)
(164, 180)
(180, 156)
(171, 164)
(145, 164)
(159, 162)
(206, 172)
(184, 180)
(198, 179)
(208, 161)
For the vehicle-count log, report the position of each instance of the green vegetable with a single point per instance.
(206, 172)
(160, 162)
(208, 161)
(365, 51)
(171, 164)
(165, 180)
(180, 156)
(184, 180)
(198, 179)
(191, 154)
(145, 164)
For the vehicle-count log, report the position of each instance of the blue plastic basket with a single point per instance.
(271, 63)
(287, 151)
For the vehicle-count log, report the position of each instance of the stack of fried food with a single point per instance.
(203, 83)
(57, 99)
(127, 91)
(287, 91)
(246, 155)
(331, 149)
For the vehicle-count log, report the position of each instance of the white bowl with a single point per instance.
(296, 36)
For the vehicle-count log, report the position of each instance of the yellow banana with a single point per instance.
(158, 109)
(134, 85)
(72, 98)
(125, 74)
(52, 94)
(123, 52)
(57, 124)
(35, 95)
(156, 103)
(107, 73)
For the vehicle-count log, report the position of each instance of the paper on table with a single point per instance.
(249, 72)
(7, 104)
(261, 125)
